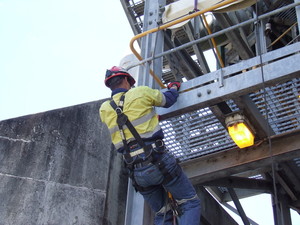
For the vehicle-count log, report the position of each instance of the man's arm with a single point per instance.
(172, 94)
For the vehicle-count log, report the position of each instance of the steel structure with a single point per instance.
(258, 74)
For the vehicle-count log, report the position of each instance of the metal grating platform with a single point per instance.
(194, 134)
(283, 105)
(199, 132)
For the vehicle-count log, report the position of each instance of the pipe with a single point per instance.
(284, 33)
(213, 41)
(164, 26)
(250, 21)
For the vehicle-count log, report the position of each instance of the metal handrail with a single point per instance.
(250, 21)
(167, 25)
(183, 46)
(213, 41)
(284, 33)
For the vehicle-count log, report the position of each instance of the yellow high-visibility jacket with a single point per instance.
(139, 107)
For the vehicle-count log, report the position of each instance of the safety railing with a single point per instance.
(202, 39)
(169, 24)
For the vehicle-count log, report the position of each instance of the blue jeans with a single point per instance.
(180, 187)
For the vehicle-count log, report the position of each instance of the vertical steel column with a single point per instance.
(285, 211)
(298, 14)
(134, 206)
(152, 44)
(193, 32)
(275, 206)
(261, 45)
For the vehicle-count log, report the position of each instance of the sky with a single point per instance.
(259, 209)
(54, 54)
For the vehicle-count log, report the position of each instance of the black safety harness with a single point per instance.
(131, 157)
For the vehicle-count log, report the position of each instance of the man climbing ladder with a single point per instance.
(135, 132)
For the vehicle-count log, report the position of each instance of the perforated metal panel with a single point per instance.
(199, 132)
(194, 134)
(282, 105)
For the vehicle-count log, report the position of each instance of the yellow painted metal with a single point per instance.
(213, 41)
(284, 33)
(165, 26)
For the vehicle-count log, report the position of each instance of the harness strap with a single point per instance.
(122, 120)
(167, 175)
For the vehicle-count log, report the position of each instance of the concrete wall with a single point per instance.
(58, 167)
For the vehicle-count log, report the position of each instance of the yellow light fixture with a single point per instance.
(239, 130)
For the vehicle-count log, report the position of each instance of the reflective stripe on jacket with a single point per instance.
(139, 108)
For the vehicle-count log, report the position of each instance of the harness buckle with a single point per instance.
(119, 110)
(159, 143)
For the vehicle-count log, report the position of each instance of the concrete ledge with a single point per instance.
(57, 167)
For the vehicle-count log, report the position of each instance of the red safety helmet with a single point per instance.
(118, 71)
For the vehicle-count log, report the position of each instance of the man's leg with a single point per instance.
(184, 193)
(156, 199)
(150, 179)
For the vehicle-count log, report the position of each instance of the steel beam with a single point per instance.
(131, 18)
(260, 124)
(285, 213)
(298, 13)
(226, 163)
(134, 206)
(241, 182)
(238, 206)
(290, 173)
(239, 44)
(229, 29)
(231, 208)
(182, 60)
(270, 68)
(285, 186)
(191, 32)
(210, 208)
(151, 44)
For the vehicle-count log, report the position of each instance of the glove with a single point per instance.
(175, 83)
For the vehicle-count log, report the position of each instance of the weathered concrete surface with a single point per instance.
(58, 167)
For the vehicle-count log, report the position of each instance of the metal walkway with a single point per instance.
(258, 74)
